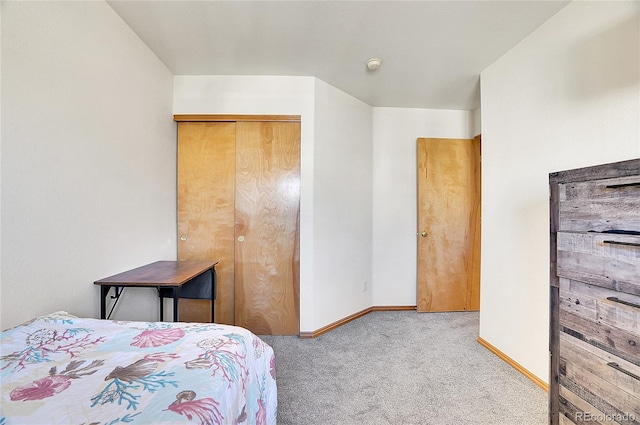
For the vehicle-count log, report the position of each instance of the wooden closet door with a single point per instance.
(206, 190)
(267, 227)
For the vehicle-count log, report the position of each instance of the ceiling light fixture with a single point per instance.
(374, 63)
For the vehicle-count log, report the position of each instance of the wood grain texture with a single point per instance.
(554, 224)
(614, 188)
(584, 216)
(603, 405)
(267, 227)
(603, 171)
(599, 304)
(592, 258)
(600, 205)
(554, 356)
(564, 420)
(475, 224)
(595, 302)
(449, 212)
(590, 359)
(606, 337)
(601, 392)
(206, 188)
(192, 310)
(159, 273)
(554, 306)
(573, 407)
(233, 118)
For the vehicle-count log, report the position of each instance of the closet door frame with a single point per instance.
(233, 118)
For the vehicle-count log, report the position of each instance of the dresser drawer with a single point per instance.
(596, 383)
(587, 325)
(614, 309)
(608, 260)
(600, 205)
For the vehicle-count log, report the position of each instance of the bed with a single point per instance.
(62, 369)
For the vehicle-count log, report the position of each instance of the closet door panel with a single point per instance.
(267, 227)
(206, 190)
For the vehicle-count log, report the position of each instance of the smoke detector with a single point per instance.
(374, 63)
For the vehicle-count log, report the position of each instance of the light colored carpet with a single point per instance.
(401, 368)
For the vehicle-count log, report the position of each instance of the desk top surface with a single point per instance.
(160, 273)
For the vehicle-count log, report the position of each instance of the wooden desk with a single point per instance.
(167, 276)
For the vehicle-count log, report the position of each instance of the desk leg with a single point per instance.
(213, 293)
(176, 297)
(104, 292)
(161, 305)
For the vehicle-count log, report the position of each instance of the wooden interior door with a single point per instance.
(448, 225)
(267, 227)
(206, 210)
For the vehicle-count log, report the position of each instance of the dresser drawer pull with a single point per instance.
(622, 243)
(626, 372)
(617, 186)
(620, 232)
(617, 300)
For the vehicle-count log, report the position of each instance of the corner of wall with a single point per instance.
(476, 125)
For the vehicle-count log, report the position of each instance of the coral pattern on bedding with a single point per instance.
(61, 369)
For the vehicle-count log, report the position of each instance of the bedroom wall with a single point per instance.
(88, 159)
(477, 121)
(567, 96)
(343, 160)
(395, 131)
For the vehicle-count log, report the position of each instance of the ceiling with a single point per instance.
(433, 51)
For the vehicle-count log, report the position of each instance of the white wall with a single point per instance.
(88, 159)
(477, 121)
(343, 162)
(567, 96)
(395, 131)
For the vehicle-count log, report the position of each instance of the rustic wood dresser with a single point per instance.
(595, 294)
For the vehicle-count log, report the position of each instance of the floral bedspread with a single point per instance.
(61, 369)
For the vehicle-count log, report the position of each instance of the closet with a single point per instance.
(238, 203)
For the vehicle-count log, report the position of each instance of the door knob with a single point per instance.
(423, 234)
